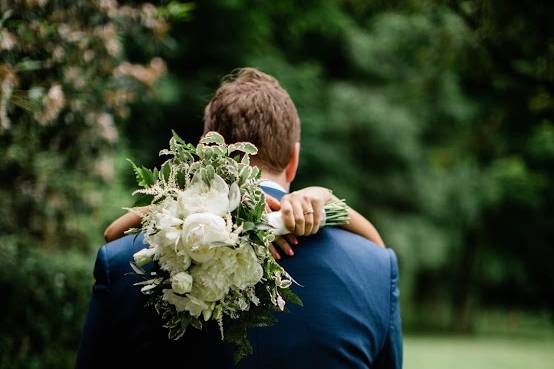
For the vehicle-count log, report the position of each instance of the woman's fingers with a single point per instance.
(291, 238)
(284, 245)
(287, 214)
(318, 207)
(299, 218)
(308, 217)
(302, 213)
(274, 252)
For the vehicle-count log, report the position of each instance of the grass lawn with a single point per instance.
(447, 352)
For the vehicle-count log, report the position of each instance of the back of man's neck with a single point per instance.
(280, 179)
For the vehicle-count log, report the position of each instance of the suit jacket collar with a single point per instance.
(273, 192)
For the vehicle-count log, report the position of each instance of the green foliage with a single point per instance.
(145, 177)
(44, 300)
(291, 297)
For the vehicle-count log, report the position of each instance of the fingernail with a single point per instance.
(295, 242)
(290, 252)
(277, 257)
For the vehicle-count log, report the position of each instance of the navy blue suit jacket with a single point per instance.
(350, 318)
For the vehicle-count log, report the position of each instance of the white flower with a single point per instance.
(172, 255)
(195, 306)
(144, 256)
(207, 313)
(210, 282)
(280, 302)
(203, 233)
(173, 261)
(181, 283)
(247, 271)
(234, 197)
(179, 302)
(202, 198)
(169, 219)
(168, 222)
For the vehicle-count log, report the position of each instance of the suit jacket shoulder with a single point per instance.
(346, 287)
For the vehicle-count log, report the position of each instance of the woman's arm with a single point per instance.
(301, 213)
(122, 224)
(360, 225)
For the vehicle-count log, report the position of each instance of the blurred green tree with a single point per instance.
(65, 82)
(432, 118)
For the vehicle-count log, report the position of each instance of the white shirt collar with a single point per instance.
(271, 184)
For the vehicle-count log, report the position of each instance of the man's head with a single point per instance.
(251, 106)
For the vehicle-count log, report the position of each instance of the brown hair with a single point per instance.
(251, 106)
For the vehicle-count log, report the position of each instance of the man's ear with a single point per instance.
(292, 166)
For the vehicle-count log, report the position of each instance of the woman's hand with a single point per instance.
(301, 211)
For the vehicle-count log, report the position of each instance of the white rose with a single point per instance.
(179, 302)
(144, 256)
(181, 283)
(247, 271)
(202, 233)
(210, 282)
(214, 198)
(226, 259)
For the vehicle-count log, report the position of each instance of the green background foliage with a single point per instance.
(432, 118)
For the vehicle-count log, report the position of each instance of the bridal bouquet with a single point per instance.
(208, 234)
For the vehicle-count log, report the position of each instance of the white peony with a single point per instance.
(169, 219)
(172, 259)
(200, 197)
(144, 256)
(202, 233)
(179, 302)
(210, 282)
(247, 269)
(226, 260)
(181, 283)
